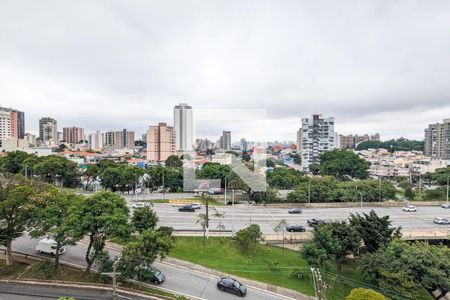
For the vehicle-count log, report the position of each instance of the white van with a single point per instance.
(48, 246)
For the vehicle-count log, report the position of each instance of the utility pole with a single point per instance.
(225, 198)
(319, 285)
(361, 200)
(114, 274)
(207, 216)
(447, 188)
(309, 189)
(379, 188)
(164, 188)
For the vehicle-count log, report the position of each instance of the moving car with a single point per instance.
(189, 208)
(152, 274)
(441, 221)
(314, 222)
(295, 228)
(231, 285)
(139, 205)
(410, 208)
(48, 246)
(446, 205)
(295, 210)
(196, 205)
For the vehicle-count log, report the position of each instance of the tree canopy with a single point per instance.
(343, 164)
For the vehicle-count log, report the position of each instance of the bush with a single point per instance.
(365, 294)
(249, 237)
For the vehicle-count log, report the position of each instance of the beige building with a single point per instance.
(115, 140)
(160, 142)
(73, 135)
(437, 140)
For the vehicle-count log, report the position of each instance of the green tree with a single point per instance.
(13, 162)
(285, 178)
(365, 294)
(335, 240)
(343, 163)
(100, 216)
(51, 218)
(249, 237)
(404, 268)
(142, 252)
(15, 211)
(441, 175)
(281, 227)
(144, 218)
(173, 161)
(55, 169)
(374, 231)
(400, 144)
(314, 168)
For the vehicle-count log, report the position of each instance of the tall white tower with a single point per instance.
(183, 123)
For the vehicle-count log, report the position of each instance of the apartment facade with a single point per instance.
(225, 140)
(161, 142)
(351, 141)
(115, 140)
(48, 130)
(73, 135)
(437, 140)
(12, 123)
(183, 126)
(316, 137)
(95, 140)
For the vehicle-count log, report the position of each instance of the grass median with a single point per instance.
(266, 265)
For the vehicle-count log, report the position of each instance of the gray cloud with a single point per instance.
(375, 65)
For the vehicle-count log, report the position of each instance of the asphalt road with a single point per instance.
(267, 218)
(190, 283)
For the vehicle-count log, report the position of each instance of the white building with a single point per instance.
(95, 140)
(183, 125)
(5, 125)
(316, 137)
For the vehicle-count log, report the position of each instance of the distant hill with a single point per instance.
(400, 144)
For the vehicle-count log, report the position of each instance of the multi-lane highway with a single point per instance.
(193, 284)
(268, 217)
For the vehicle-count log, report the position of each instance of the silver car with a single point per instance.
(410, 208)
(441, 221)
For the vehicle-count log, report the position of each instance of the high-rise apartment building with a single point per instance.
(160, 142)
(183, 126)
(316, 136)
(12, 123)
(48, 130)
(225, 140)
(95, 140)
(73, 135)
(123, 139)
(437, 140)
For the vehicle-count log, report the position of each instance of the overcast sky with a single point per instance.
(376, 66)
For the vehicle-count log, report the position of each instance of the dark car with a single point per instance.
(186, 208)
(295, 210)
(152, 274)
(315, 222)
(295, 228)
(231, 285)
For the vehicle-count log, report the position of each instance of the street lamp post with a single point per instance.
(447, 188)
(232, 212)
(225, 197)
(361, 199)
(309, 189)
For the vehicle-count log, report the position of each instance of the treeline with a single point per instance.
(45, 211)
(395, 268)
(400, 144)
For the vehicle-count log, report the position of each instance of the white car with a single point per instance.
(140, 205)
(410, 208)
(196, 205)
(441, 221)
(48, 246)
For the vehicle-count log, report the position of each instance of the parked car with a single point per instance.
(314, 222)
(295, 210)
(446, 205)
(150, 273)
(48, 246)
(231, 285)
(441, 221)
(410, 208)
(139, 205)
(189, 208)
(196, 205)
(295, 228)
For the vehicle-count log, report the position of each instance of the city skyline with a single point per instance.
(375, 67)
